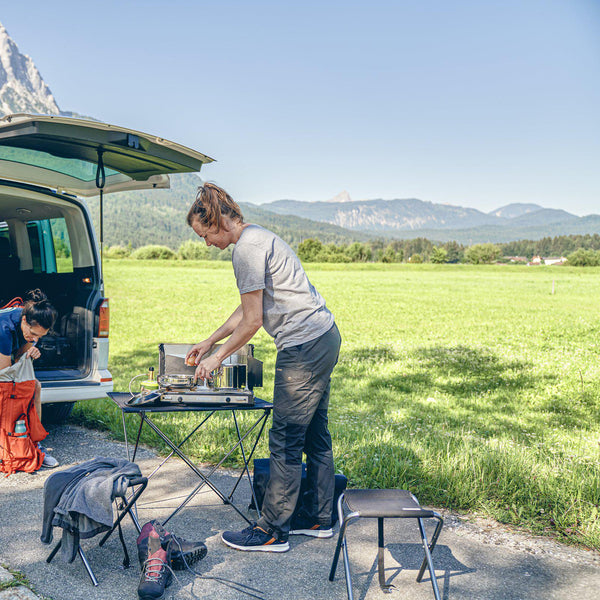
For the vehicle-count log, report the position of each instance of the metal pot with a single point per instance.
(230, 377)
(175, 381)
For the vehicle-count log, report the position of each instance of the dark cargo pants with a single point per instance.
(300, 402)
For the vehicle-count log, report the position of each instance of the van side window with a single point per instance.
(50, 246)
(4, 234)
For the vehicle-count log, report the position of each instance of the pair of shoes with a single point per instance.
(183, 552)
(49, 461)
(302, 524)
(156, 574)
(255, 539)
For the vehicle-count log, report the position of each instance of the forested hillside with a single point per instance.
(158, 217)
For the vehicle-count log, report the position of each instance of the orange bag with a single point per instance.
(19, 452)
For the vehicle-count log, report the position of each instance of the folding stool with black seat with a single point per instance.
(382, 504)
(124, 507)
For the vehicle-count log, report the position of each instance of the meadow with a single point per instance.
(476, 387)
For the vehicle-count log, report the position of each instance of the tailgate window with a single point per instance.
(50, 246)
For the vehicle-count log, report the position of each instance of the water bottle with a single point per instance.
(20, 427)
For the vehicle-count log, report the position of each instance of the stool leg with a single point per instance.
(343, 523)
(386, 588)
(436, 591)
(347, 569)
(87, 566)
(54, 551)
(434, 539)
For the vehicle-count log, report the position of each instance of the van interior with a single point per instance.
(46, 242)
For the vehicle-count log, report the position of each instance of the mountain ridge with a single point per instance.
(158, 216)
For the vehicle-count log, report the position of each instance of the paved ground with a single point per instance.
(474, 559)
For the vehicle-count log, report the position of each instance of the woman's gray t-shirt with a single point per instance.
(293, 311)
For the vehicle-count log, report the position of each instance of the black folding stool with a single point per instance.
(124, 508)
(381, 504)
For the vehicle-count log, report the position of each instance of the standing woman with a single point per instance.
(276, 294)
(20, 329)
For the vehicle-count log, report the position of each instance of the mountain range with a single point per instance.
(158, 216)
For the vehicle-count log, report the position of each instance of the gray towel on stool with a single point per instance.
(84, 507)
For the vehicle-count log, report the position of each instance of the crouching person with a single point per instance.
(21, 327)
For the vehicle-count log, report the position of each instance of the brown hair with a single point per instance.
(212, 203)
(37, 310)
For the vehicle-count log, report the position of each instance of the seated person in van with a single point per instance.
(20, 329)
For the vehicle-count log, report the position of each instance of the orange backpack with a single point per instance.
(19, 451)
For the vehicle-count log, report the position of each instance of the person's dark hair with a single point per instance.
(212, 203)
(37, 310)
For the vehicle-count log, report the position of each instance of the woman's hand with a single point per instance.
(207, 366)
(196, 352)
(33, 353)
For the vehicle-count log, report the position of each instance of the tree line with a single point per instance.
(581, 250)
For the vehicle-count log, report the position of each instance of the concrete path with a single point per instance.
(474, 559)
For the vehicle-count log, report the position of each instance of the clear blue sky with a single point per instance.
(476, 103)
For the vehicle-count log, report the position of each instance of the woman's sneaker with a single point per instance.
(302, 525)
(318, 531)
(255, 539)
(49, 461)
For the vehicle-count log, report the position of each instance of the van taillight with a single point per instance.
(103, 319)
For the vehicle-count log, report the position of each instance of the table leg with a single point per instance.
(181, 443)
(192, 466)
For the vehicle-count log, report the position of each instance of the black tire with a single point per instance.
(56, 413)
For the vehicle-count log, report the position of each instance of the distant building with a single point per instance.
(548, 260)
(555, 260)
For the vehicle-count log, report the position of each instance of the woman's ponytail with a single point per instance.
(212, 203)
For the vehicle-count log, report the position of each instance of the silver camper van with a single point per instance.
(48, 166)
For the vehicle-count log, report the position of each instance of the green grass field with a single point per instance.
(475, 387)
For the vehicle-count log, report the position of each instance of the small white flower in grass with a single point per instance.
(431, 400)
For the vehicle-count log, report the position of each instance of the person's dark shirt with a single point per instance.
(11, 334)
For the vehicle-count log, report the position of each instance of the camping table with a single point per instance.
(261, 407)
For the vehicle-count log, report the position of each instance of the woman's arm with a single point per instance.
(197, 351)
(249, 322)
(4, 361)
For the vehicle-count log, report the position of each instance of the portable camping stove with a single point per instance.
(233, 383)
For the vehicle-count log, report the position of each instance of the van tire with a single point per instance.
(57, 412)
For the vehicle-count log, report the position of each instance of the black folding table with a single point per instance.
(145, 412)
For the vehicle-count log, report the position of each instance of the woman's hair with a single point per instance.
(212, 203)
(37, 310)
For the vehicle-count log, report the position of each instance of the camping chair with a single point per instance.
(381, 504)
(124, 507)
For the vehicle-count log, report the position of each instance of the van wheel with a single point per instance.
(56, 413)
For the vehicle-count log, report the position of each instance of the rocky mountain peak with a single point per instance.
(22, 88)
(342, 197)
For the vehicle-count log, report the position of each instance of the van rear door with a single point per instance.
(77, 156)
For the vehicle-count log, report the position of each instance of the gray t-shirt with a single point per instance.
(293, 311)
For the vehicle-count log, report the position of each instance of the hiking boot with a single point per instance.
(49, 461)
(255, 539)
(156, 575)
(182, 551)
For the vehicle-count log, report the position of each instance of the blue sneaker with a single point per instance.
(254, 539)
(303, 524)
(317, 530)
